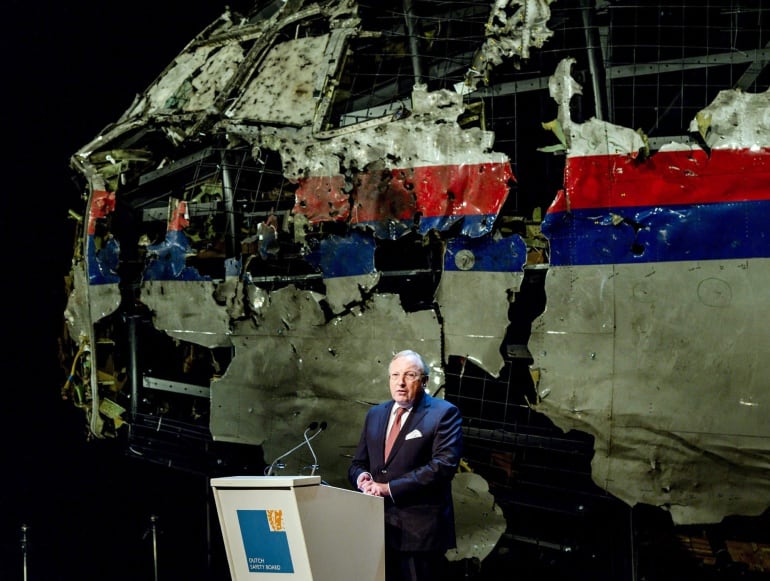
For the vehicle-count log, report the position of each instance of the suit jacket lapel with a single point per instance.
(382, 430)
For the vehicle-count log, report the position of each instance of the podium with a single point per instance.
(294, 527)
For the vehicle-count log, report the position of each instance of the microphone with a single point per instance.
(306, 441)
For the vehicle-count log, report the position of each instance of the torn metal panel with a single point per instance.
(343, 291)
(513, 29)
(594, 136)
(97, 295)
(197, 317)
(518, 26)
(272, 96)
(631, 386)
(83, 308)
(348, 267)
(735, 119)
(102, 249)
(479, 272)
(655, 262)
(188, 85)
(476, 333)
(474, 503)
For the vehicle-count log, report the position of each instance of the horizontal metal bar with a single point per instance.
(175, 386)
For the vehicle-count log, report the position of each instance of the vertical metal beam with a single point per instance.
(229, 196)
(413, 44)
(592, 47)
(133, 364)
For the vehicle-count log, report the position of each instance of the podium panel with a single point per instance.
(293, 527)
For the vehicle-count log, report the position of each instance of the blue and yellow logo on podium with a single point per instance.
(265, 541)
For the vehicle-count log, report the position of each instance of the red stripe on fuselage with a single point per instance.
(400, 194)
(667, 178)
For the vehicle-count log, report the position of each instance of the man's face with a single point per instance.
(406, 380)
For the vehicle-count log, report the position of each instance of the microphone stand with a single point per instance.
(306, 441)
(153, 530)
(24, 529)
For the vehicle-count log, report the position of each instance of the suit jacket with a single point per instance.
(419, 514)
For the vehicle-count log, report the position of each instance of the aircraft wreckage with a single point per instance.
(309, 188)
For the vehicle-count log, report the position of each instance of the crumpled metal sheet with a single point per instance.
(87, 304)
(102, 254)
(513, 29)
(346, 290)
(479, 521)
(618, 361)
(272, 96)
(196, 318)
(479, 272)
(187, 84)
(717, 122)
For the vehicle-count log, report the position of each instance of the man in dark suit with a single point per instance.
(415, 477)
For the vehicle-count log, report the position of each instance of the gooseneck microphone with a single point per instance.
(305, 442)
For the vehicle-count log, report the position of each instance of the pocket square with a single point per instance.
(413, 434)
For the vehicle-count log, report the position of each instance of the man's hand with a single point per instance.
(375, 488)
(367, 485)
(362, 479)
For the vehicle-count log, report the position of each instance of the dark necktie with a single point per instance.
(393, 434)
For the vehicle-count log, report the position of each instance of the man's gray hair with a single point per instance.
(413, 355)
